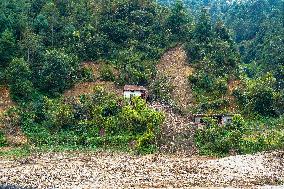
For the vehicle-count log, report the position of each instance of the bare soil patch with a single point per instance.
(174, 66)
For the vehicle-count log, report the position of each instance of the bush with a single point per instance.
(220, 140)
(106, 73)
(86, 75)
(19, 79)
(3, 141)
(240, 136)
(97, 120)
(259, 96)
(58, 71)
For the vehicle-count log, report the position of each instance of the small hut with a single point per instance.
(130, 91)
(222, 119)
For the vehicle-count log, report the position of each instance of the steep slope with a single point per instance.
(87, 87)
(5, 99)
(173, 65)
(176, 132)
(13, 134)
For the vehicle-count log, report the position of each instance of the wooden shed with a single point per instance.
(130, 91)
(221, 118)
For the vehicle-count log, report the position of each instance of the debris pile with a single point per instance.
(176, 132)
(114, 170)
(5, 99)
(174, 66)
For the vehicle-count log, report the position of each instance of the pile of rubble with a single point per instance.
(5, 99)
(113, 170)
(174, 66)
(176, 132)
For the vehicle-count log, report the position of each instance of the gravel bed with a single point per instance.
(116, 170)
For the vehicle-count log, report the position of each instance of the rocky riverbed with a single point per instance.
(116, 170)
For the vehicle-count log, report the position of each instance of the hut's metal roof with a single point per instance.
(134, 88)
(212, 115)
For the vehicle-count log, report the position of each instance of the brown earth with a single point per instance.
(176, 132)
(5, 99)
(174, 66)
(88, 87)
(14, 136)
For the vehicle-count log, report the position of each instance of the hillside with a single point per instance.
(83, 87)
(5, 99)
(63, 67)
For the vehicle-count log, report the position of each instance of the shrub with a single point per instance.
(19, 79)
(259, 96)
(240, 136)
(3, 141)
(86, 74)
(97, 120)
(219, 140)
(106, 73)
(58, 71)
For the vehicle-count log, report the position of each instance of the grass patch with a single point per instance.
(15, 152)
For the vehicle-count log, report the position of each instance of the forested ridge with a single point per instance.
(234, 47)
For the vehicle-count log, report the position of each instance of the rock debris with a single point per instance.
(116, 170)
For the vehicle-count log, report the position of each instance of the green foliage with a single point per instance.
(135, 68)
(241, 136)
(179, 22)
(42, 42)
(7, 47)
(100, 120)
(57, 72)
(219, 140)
(106, 73)
(203, 29)
(86, 74)
(31, 46)
(3, 141)
(19, 78)
(17, 152)
(259, 96)
(215, 59)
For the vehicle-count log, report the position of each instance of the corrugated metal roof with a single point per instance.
(134, 88)
(212, 115)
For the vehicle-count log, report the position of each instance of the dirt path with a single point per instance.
(108, 170)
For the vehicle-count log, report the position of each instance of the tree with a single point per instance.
(222, 32)
(179, 21)
(7, 47)
(58, 71)
(31, 44)
(51, 14)
(19, 80)
(261, 95)
(203, 30)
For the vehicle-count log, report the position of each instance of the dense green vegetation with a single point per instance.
(42, 45)
(240, 137)
(100, 120)
(3, 141)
